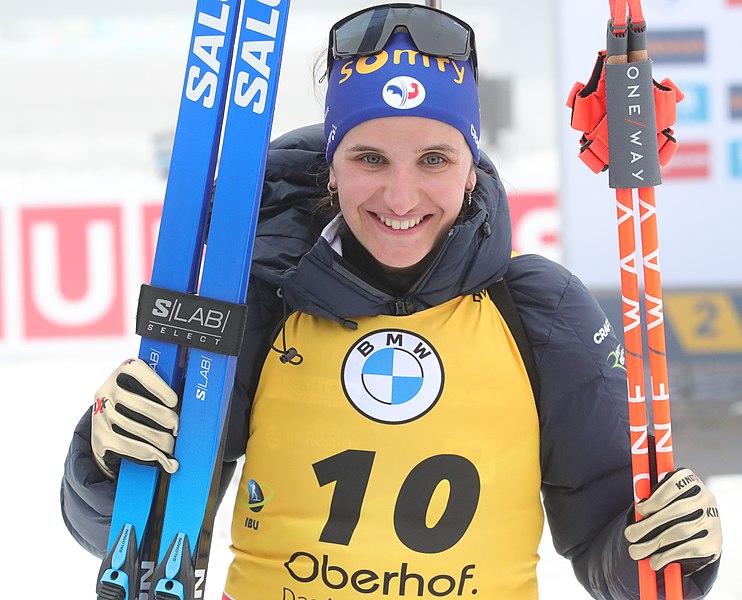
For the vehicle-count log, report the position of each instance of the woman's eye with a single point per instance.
(372, 159)
(434, 159)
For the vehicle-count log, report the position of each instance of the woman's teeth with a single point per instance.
(396, 225)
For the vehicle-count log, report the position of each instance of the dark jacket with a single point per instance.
(585, 454)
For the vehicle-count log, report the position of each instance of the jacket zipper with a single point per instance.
(402, 304)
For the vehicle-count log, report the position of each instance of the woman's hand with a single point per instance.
(134, 417)
(680, 523)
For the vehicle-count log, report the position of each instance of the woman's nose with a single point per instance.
(402, 192)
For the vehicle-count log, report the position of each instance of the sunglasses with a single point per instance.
(433, 32)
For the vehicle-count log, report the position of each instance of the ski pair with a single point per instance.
(192, 315)
(626, 117)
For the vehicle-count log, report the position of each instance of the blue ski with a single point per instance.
(210, 372)
(210, 323)
(133, 536)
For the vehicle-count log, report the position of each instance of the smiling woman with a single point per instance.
(402, 161)
(404, 443)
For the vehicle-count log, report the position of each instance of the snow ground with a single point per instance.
(47, 395)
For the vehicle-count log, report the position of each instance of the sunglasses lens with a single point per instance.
(439, 35)
(434, 33)
(364, 34)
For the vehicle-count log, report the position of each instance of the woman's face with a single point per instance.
(401, 182)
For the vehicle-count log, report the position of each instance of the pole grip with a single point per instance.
(632, 128)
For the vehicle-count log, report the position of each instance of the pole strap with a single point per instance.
(624, 12)
(588, 103)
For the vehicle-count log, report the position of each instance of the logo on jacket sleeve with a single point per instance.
(392, 376)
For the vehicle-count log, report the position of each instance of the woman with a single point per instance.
(402, 374)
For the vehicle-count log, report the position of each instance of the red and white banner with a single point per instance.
(71, 272)
(150, 225)
(536, 224)
(692, 161)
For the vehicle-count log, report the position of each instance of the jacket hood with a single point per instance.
(291, 253)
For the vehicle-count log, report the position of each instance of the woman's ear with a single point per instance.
(471, 179)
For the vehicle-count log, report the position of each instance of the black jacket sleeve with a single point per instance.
(583, 414)
(86, 495)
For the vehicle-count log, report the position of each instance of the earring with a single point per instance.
(469, 194)
(333, 192)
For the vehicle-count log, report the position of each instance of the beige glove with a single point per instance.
(680, 523)
(134, 418)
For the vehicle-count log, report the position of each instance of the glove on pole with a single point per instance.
(134, 417)
(680, 524)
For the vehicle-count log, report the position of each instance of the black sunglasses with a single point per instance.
(433, 32)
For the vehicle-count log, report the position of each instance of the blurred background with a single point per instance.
(88, 104)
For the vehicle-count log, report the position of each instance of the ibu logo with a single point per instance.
(254, 497)
(392, 376)
(735, 157)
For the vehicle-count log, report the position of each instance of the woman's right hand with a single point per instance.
(134, 417)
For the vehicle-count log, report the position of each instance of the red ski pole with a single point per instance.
(617, 56)
(627, 117)
(658, 361)
(621, 112)
(637, 55)
(633, 343)
(656, 342)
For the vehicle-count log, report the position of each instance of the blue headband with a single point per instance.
(399, 81)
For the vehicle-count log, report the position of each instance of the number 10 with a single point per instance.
(352, 471)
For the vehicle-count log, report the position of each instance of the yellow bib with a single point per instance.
(399, 460)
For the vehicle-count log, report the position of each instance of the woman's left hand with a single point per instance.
(680, 523)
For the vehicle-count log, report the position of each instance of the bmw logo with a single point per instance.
(392, 376)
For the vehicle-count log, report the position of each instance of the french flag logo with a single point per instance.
(404, 93)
